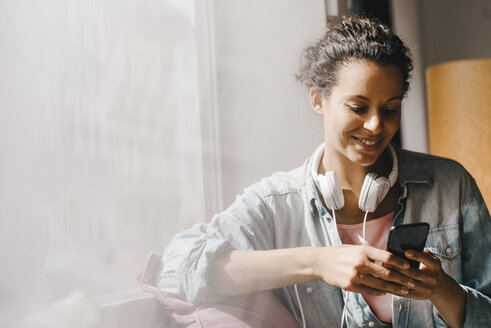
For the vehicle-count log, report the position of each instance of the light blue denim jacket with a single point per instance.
(284, 211)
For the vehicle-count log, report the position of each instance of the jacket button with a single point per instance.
(308, 290)
(371, 324)
(449, 250)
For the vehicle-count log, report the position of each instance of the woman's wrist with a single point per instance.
(321, 261)
(449, 300)
(447, 287)
(308, 259)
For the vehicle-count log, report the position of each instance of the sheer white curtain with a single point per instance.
(100, 147)
(123, 122)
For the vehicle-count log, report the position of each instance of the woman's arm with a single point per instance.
(234, 254)
(347, 266)
(450, 302)
(467, 304)
(434, 284)
(241, 272)
(476, 259)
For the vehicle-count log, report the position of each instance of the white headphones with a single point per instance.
(372, 193)
(374, 190)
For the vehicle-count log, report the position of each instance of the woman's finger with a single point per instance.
(367, 290)
(425, 257)
(388, 274)
(386, 257)
(383, 285)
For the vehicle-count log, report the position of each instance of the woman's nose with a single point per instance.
(374, 123)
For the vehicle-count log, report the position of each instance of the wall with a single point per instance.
(265, 120)
(454, 29)
(437, 31)
(257, 46)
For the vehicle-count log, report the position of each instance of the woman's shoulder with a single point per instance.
(282, 182)
(443, 174)
(417, 163)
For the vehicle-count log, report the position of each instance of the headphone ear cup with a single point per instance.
(374, 190)
(368, 195)
(331, 190)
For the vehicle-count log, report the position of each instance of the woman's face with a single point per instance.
(362, 112)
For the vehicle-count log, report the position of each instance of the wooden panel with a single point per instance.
(459, 116)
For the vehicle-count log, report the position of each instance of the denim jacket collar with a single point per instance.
(410, 169)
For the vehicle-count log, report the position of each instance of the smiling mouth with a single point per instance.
(368, 142)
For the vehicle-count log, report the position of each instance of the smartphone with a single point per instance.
(408, 236)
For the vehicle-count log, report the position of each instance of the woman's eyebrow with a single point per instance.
(368, 99)
(395, 98)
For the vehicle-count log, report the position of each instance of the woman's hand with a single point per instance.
(359, 269)
(430, 277)
(434, 284)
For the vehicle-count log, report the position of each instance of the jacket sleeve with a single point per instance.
(476, 260)
(247, 225)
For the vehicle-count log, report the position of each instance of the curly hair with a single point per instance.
(352, 39)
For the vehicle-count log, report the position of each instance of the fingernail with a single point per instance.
(406, 265)
(404, 290)
(409, 253)
(411, 284)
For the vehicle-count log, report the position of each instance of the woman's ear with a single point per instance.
(316, 101)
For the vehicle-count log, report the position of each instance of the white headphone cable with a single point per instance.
(295, 286)
(345, 314)
(300, 306)
(364, 224)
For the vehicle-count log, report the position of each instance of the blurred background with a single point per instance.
(123, 122)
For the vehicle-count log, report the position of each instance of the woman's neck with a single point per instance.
(351, 176)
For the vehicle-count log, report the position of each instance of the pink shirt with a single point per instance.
(376, 234)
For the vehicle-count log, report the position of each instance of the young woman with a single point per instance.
(318, 232)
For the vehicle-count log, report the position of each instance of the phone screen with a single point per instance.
(408, 236)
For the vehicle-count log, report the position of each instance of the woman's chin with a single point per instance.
(364, 158)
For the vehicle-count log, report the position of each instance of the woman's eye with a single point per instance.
(356, 109)
(390, 111)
